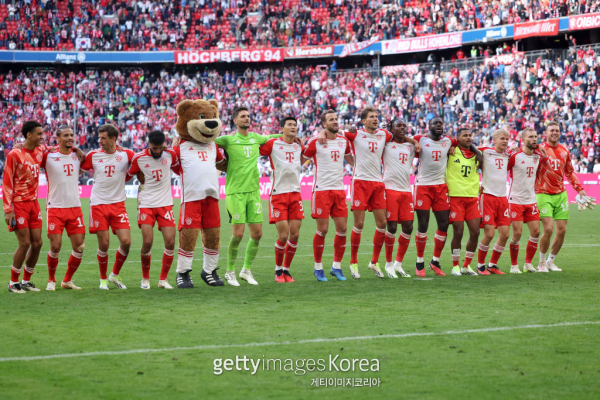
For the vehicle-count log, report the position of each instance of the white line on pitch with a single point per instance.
(322, 340)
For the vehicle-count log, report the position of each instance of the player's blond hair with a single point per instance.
(499, 132)
(549, 124)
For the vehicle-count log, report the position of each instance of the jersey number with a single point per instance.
(565, 206)
(124, 218)
(79, 222)
(506, 214)
(258, 208)
(169, 216)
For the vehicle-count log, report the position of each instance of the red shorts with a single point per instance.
(464, 209)
(432, 197)
(524, 212)
(200, 214)
(104, 216)
(399, 206)
(61, 218)
(27, 215)
(329, 202)
(163, 215)
(495, 210)
(285, 206)
(367, 195)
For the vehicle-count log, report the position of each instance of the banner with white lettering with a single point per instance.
(424, 43)
(241, 55)
(354, 47)
(536, 28)
(309, 51)
(584, 21)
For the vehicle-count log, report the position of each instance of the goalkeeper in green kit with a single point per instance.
(242, 192)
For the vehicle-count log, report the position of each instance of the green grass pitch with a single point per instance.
(422, 361)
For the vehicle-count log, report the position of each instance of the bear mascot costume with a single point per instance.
(198, 125)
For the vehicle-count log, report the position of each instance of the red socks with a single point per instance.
(27, 273)
(14, 274)
(468, 258)
(167, 260)
(514, 253)
(339, 246)
(378, 244)
(318, 245)
(440, 241)
(403, 242)
(120, 259)
(496, 254)
(483, 250)
(52, 260)
(102, 263)
(146, 261)
(290, 251)
(421, 241)
(355, 244)
(532, 246)
(279, 253)
(72, 265)
(390, 238)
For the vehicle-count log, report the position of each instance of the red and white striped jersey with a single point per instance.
(198, 171)
(368, 150)
(329, 162)
(495, 168)
(157, 178)
(523, 169)
(397, 165)
(62, 171)
(285, 163)
(433, 160)
(110, 171)
(21, 176)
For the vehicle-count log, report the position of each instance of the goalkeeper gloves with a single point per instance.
(584, 202)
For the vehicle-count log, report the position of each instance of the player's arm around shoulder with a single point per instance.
(223, 141)
(221, 162)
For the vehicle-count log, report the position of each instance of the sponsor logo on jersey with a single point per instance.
(51, 227)
(57, 159)
(522, 162)
(280, 147)
(147, 166)
(100, 161)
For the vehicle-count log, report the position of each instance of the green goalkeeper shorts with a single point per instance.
(244, 208)
(553, 205)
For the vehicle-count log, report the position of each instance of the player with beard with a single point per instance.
(431, 192)
(463, 189)
(523, 166)
(551, 195)
(329, 197)
(155, 203)
(62, 166)
(398, 157)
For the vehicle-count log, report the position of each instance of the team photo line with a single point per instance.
(447, 182)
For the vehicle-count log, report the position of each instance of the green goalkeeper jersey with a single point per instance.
(243, 152)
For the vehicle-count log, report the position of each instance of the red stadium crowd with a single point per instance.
(221, 24)
(483, 98)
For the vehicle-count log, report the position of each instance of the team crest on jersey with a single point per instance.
(74, 156)
(514, 214)
(356, 203)
(143, 217)
(118, 158)
(96, 223)
(444, 144)
(276, 214)
(419, 203)
(188, 221)
(210, 147)
(295, 146)
(163, 161)
(486, 218)
(544, 210)
(236, 216)
(51, 227)
(21, 220)
(252, 141)
(319, 211)
(453, 215)
(389, 214)
(40, 215)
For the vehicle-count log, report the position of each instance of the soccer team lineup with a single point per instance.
(447, 185)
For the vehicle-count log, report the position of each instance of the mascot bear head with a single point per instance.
(198, 120)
